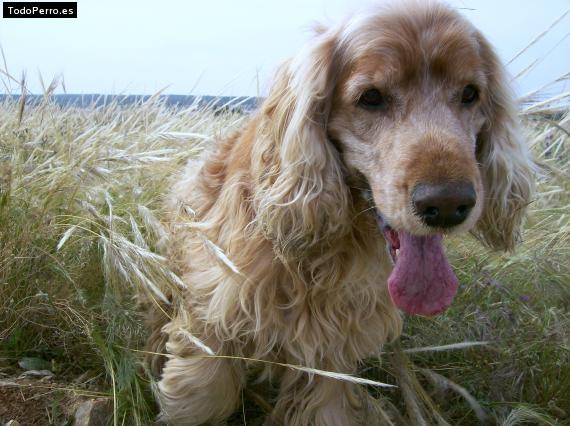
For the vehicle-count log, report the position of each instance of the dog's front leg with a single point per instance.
(195, 389)
(320, 401)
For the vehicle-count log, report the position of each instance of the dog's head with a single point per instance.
(413, 100)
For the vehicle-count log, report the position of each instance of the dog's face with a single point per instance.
(406, 115)
(414, 101)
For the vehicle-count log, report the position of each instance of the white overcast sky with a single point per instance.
(232, 47)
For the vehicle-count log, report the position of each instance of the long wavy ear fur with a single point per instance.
(301, 199)
(507, 167)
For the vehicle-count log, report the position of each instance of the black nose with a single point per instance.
(443, 205)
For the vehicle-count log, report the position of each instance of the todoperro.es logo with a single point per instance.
(20, 9)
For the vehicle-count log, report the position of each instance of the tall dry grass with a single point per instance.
(80, 197)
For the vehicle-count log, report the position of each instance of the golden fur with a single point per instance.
(288, 200)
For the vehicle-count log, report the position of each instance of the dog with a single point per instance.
(303, 237)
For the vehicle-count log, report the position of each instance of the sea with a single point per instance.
(239, 103)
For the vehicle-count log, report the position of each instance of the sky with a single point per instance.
(233, 47)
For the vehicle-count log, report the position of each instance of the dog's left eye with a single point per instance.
(470, 95)
(372, 99)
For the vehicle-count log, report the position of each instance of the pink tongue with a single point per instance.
(422, 281)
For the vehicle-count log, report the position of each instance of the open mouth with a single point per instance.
(422, 281)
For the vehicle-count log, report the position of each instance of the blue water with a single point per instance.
(241, 103)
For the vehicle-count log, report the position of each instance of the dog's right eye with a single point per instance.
(372, 99)
(470, 95)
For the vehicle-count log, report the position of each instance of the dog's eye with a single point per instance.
(470, 95)
(372, 99)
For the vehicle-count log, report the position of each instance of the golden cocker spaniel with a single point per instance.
(328, 208)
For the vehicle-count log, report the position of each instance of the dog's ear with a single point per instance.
(507, 167)
(300, 199)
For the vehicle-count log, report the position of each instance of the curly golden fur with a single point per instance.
(291, 200)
